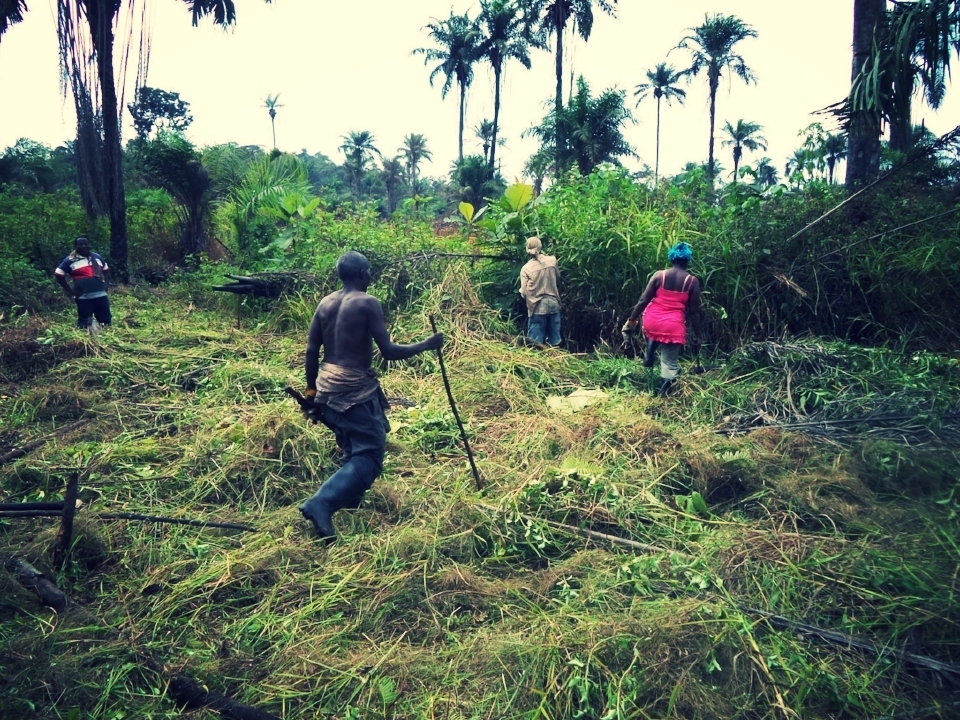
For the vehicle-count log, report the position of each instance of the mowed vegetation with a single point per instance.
(622, 561)
(778, 538)
(440, 601)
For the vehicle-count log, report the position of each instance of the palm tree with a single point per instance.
(392, 179)
(414, 151)
(476, 180)
(505, 34)
(834, 150)
(711, 49)
(798, 164)
(359, 150)
(484, 133)
(662, 80)
(554, 16)
(592, 126)
(271, 105)
(457, 38)
(766, 173)
(744, 135)
(864, 143)
(86, 59)
(537, 167)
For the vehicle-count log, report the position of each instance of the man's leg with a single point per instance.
(535, 327)
(84, 313)
(553, 329)
(365, 437)
(101, 310)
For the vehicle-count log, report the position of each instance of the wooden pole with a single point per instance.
(66, 523)
(453, 406)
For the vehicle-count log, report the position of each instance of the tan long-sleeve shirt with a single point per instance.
(538, 281)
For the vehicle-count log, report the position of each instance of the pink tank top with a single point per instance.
(665, 318)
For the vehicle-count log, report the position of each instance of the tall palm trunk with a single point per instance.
(737, 154)
(714, 85)
(830, 163)
(863, 156)
(558, 102)
(463, 102)
(497, 70)
(100, 17)
(656, 162)
(273, 128)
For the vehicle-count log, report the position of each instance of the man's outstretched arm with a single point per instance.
(389, 349)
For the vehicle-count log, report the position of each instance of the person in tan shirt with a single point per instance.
(538, 286)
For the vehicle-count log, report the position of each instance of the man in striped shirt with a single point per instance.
(88, 271)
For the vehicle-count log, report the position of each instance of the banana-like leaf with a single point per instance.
(518, 195)
(467, 210)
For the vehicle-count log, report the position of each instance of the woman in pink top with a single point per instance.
(669, 298)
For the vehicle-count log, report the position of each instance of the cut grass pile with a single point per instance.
(440, 602)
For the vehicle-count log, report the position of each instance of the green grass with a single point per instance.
(441, 602)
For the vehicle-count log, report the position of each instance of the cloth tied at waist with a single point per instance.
(342, 387)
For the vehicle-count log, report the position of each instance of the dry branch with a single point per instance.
(836, 638)
(175, 521)
(62, 553)
(132, 516)
(34, 444)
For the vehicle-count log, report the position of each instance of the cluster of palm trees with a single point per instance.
(502, 31)
(508, 29)
(360, 153)
(712, 51)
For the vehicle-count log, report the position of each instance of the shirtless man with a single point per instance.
(345, 388)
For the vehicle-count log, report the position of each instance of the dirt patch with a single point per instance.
(23, 355)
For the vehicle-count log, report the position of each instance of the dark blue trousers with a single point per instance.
(96, 307)
(361, 433)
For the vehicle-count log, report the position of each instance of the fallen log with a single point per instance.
(34, 444)
(188, 692)
(30, 513)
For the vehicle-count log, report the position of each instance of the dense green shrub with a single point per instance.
(859, 273)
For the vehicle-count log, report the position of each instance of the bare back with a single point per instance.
(342, 320)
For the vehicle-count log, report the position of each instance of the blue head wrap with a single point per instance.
(680, 251)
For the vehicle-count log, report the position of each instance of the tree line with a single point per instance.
(898, 49)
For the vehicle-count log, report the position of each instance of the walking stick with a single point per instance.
(463, 433)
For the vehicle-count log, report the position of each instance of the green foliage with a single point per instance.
(154, 228)
(589, 130)
(160, 110)
(476, 181)
(38, 232)
(27, 167)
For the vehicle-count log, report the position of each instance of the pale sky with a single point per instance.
(342, 66)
